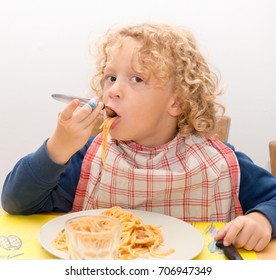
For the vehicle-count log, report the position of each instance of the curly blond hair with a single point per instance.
(170, 54)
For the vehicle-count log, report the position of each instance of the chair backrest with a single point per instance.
(222, 129)
(272, 154)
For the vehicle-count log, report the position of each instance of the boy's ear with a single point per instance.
(174, 108)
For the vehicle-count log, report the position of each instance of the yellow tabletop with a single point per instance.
(19, 239)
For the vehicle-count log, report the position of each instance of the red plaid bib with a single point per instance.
(193, 179)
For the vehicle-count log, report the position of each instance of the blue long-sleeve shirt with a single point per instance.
(37, 184)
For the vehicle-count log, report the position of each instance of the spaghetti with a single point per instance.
(60, 242)
(137, 239)
(106, 126)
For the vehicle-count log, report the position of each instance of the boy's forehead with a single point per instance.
(124, 42)
(127, 46)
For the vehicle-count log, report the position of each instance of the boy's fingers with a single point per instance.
(97, 108)
(221, 233)
(233, 231)
(68, 111)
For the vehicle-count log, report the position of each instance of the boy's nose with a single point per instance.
(116, 90)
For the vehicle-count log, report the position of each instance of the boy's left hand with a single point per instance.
(251, 232)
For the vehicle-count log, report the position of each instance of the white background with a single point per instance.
(44, 49)
(55, 269)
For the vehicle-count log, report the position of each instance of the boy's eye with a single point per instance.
(136, 79)
(111, 78)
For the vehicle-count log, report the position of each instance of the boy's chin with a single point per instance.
(119, 137)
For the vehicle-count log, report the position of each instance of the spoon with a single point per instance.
(68, 98)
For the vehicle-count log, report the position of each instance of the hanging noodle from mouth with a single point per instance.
(137, 239)
(106, 126)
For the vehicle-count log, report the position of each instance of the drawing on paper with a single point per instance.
(11, 242)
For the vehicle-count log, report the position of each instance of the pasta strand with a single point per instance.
(106, 126)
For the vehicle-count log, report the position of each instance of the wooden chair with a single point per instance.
(223, 128)
(272, 154)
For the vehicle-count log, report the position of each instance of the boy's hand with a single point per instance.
(73, 130)
(251, 232)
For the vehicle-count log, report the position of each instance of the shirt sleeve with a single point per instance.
(257, 189)
(37, 184)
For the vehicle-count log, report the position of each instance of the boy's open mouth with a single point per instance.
(110, 113)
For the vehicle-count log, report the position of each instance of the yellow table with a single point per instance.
(19, 239)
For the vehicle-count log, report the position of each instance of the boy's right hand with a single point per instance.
(73, 130)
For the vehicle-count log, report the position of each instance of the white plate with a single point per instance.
(184, 238)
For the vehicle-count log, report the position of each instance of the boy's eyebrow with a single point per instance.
(108, 67)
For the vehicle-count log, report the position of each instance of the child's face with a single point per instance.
(147, 112)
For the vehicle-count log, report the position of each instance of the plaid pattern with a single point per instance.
(193, 179)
